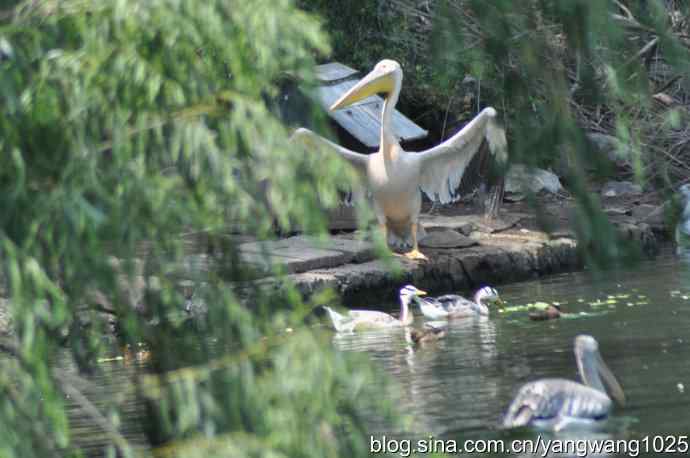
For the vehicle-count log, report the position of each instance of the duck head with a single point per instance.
(488, 295)
(408, 293)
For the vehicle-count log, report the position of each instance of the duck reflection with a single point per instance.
(458, 370)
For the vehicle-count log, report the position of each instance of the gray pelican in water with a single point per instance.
(556, 403)
(394, 176)
(358, 320)
(454, 306)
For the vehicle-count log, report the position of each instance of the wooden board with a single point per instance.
(334, 71)
(363, 119)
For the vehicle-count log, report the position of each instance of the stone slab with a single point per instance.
(302, 253)
(650, 214)
(462, 224)
(446, 239)
(497, 259)
(466, 224)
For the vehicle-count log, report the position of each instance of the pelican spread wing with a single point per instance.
(443, 166)
(310, 139)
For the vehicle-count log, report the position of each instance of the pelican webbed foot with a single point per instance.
(415, 255)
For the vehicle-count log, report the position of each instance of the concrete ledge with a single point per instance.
(497, 259)
(302, 253)
(501, 253)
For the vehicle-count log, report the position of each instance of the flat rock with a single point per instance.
(621, 188)
(521, 179)
(498, 258)
(446, 239)
(302, 253)
(562, 233)
(650, 214)
(617, 211)
(499, 224)
(463, 224)
(466, 224)
(609, 147)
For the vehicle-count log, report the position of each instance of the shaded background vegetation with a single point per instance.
(613, 67)
(594, 90)
(126, 126)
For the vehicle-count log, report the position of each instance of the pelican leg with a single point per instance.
(384, 231)
(415, 254)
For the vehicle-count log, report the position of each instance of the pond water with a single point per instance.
(458, 388)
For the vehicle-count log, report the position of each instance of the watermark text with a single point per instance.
(538, 446)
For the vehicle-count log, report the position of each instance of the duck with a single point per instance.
(454, 306)
(553, 311)
(393, 176)
(555, 403)
(428, 334)
(357, 320)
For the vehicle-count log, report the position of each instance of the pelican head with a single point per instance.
(386, 77)
(488, 295)
(593, 369)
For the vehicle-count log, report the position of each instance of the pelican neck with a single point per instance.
(388, 140)
(588, 372)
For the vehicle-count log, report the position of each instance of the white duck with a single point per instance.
(358, 320)
(394, 176)
(454, 306)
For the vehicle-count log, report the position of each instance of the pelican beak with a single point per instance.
(421, 293)
(610, 381)
(376, 81)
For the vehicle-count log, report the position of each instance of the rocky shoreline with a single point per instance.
(464, 251)
(494, 257)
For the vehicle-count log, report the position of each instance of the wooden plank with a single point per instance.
(342, 218)
(329, 94)
(334, 71)
(363, 119)
(355, 121)
(404, 128)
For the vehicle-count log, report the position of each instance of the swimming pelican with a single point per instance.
(454, 306)
(394, 176)
(357, 320)
(555, 403)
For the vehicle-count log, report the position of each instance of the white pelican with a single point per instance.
(357, 320)
(555, 403)
(394, 176)
(454, 306)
